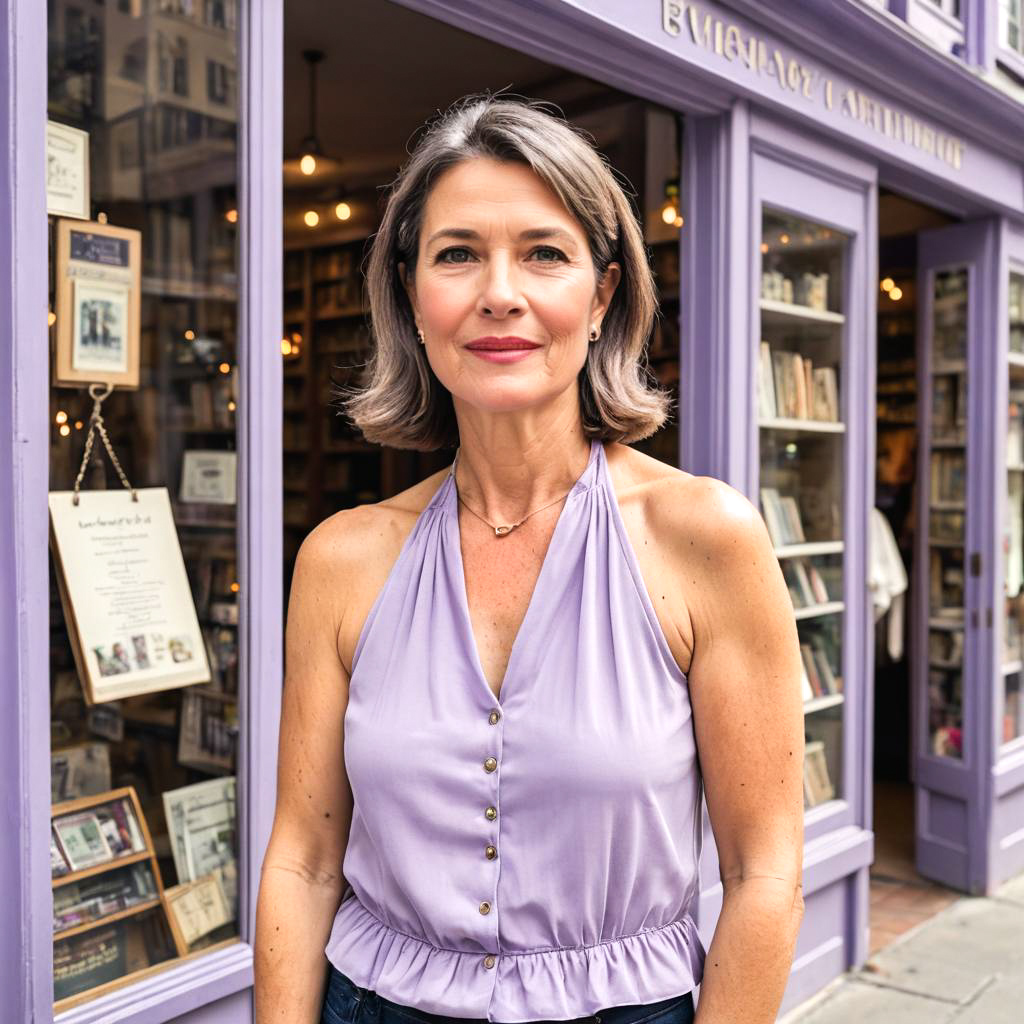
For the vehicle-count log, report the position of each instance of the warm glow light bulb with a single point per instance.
(312, 218)
(231, 216)
(231, 406)
(679, 222)
(308, 164)
(224, 367)
(286, 347)
(669, 214)
(65, 430)
(52, 318)
(895, 293)
(61, 417)
(784, 239)
(235, 588)
(190, 335)
(79, 424)
(343, 211)
(887, 284)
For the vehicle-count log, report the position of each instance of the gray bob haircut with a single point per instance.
(401, 403)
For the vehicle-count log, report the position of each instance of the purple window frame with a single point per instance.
(26, 976)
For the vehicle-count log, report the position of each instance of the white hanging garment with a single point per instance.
(887, 580)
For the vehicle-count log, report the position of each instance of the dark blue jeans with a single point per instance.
(348, 1003)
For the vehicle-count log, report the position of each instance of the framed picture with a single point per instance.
(67, 171)
(209, 477)
(98, 271)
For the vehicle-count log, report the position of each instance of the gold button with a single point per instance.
(488, 961)
(494, 716)
(490, 764)
(491, 813)
(485, 907)
(491, 852)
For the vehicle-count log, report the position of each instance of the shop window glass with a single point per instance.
(802, 464)
(145, 595)
(950, 7)
(1011, 25)
(946, 496)
(1013, 538)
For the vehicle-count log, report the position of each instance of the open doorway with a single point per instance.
(359, 86)
(900, 897)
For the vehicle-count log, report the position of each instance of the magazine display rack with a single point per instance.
(109, 917)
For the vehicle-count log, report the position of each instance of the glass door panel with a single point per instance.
(1013, 524)
(954, 579)
(946, 512)
(801, 440)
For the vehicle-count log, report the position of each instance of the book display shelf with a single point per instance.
(1013, 539)
(945, 489)
(326, 342)
(801, 464)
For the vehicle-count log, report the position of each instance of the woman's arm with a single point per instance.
(301, 883)
(748, 718)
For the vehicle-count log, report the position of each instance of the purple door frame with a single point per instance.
(952, 805)
(219, 982)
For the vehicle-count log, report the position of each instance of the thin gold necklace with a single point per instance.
(499, 531)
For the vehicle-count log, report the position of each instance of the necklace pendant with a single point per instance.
(499, 530)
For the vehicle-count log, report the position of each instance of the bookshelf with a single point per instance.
(1013, 524)
(801, 434)
(944, 489)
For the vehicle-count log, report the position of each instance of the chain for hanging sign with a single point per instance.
(96, 426)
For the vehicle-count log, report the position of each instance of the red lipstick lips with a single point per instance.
(509, 349)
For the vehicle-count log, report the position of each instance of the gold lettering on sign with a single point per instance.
(733, 42)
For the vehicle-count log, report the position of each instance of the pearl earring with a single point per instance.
(420, 333)
(594, 334)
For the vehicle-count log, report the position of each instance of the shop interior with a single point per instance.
(900, 897)
(412, 67)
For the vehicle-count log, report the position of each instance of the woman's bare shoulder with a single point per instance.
(351, 553)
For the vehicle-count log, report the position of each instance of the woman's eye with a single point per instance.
(559, 255)
(441, 256)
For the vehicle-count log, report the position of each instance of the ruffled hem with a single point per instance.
(549, 984)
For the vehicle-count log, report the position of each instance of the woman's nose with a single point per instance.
(500, 292)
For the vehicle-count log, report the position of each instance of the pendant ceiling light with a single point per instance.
(311, 164)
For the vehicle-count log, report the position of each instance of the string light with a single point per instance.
(224, 367)
(231, 216)
(65, 430)
(51, 318)
(312, 218)
(895, 293)
(887, 284)
(308, 164)
(61, 417)
(343, 211)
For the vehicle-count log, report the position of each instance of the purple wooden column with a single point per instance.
(26, 960)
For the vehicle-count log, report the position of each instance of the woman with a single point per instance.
(539, 654)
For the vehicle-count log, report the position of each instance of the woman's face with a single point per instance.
(500, 256)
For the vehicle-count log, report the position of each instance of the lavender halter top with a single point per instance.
(532, 857)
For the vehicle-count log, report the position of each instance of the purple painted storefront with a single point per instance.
(798, 117)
